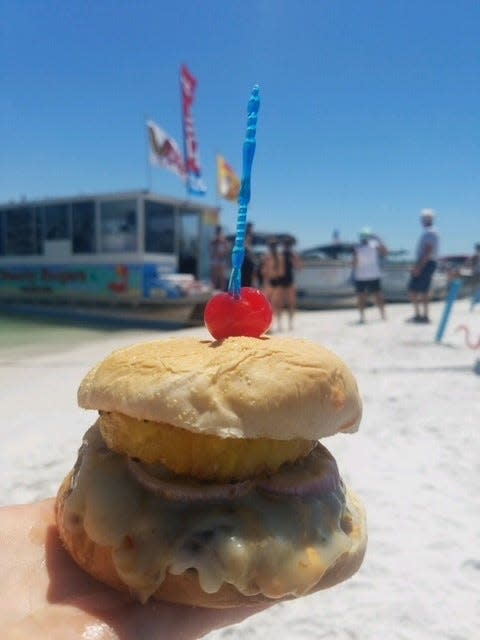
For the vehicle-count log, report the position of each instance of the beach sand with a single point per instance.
(414, 462)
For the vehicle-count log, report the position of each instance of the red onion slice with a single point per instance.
(185, 490)
(314, 476)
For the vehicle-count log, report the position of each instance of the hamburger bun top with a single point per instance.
(240, 387)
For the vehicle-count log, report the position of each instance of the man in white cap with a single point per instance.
(367, 271)
(425, 265)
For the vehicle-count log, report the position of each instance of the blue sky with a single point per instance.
(369, 110)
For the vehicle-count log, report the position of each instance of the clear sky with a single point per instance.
(369, 110)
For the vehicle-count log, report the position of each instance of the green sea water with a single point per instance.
(20, 331)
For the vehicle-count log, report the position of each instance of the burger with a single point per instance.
(203, 480)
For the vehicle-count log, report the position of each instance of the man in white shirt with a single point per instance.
(425, 265)
(367, 271)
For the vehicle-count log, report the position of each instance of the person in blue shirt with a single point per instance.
(424, 268)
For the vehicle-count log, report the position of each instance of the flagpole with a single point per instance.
(148, 165)
(217, 190)
(187, 193)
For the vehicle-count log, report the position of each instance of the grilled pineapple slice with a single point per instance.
(206, 457)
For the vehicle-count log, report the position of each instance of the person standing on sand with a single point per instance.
(425, 265)
(219, 259)
(367, 271)
(249, 276)
(273, 269)
(288, 289)
(474, 263)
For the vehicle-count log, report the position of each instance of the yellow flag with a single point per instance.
(227, 180)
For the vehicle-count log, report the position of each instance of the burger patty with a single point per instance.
(273, 537)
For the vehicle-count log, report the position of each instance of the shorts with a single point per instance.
(275, 282)
(422, 282)
(368, 286)
(285, 281)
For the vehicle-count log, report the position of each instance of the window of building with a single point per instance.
(19, 231)
(118, 227)
(83, 227)
(2, 233)
(56, 222)
(188, 244)
(159, 227)
(209, 222)
(39, 229)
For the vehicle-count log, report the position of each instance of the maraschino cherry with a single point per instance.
(249, 314)
(243, 311)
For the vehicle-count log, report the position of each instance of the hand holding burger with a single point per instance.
(203, 482)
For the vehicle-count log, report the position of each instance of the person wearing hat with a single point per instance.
(367, 271)
(424, 268)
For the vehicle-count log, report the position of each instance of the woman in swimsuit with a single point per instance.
(288, 289)
(273, 269)
(219, 259)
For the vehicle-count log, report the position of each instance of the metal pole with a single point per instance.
(148, 166)
(453, 292)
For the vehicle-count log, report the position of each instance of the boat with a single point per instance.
(135, 258)
(326, 278)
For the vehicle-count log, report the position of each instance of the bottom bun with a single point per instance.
(185, 588)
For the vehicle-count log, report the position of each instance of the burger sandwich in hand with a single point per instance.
(203, 480)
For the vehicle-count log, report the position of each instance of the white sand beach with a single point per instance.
(414, 462)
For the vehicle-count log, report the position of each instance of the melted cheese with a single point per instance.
(258, 543)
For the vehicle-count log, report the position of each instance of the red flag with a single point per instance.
(192, 155)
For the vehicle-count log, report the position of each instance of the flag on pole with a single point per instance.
(188, 84)
(228, 182)
(164, 151)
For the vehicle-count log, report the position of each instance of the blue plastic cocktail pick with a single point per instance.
(238, 251)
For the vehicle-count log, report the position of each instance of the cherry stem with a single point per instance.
(238, 251)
